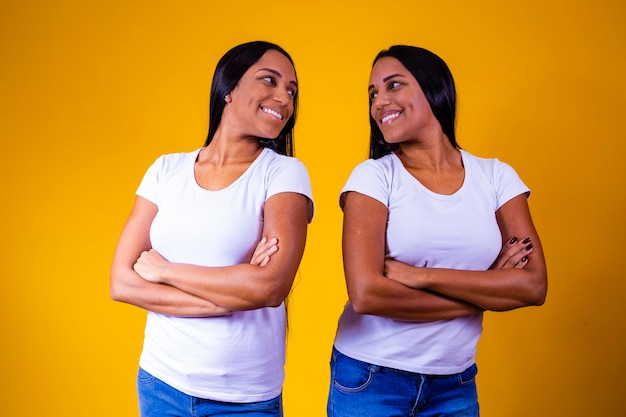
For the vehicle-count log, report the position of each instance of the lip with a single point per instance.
(389, 116)
(272, 112)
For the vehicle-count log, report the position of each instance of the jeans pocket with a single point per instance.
(144, 377)
(468, 376)
(351, 375)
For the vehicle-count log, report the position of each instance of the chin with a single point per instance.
(271, 133)
(391, 140)
(269, 136)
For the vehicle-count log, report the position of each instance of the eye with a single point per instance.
(373, 94)
(394, 84)
(270, 80)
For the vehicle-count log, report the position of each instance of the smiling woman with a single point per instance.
(195, 251)
(274, 73)
(433, 236)
(264, 96)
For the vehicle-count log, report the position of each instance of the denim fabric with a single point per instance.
(366, 390)
(157, 399)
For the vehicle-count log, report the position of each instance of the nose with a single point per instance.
(281, 96)
(380, 101)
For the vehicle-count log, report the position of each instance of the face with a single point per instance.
(262, 102)
(399, 106)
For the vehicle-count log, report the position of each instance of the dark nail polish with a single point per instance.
(525, 258)
(526, 240)
(529, 247)
(513, 240)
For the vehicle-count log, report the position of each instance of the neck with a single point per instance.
(436, 155)
(225, 149)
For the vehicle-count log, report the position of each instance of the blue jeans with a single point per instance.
(157, 399)
(366, 390)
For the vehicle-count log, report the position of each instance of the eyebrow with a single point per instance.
(278, 74)
(387, 78)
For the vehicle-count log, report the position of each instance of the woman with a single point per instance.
(215, 333)
(432, 237)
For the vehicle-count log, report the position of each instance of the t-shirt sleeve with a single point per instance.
(148, 188)
(368, 178)
(507, 183)
(290, 175)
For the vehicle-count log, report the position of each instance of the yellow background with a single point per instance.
(91, 92)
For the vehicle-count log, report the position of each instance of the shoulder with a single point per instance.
(282, 173)
(373, 178)
(497, 175)
(489, 166)
(166, 169)
(174, 161)
(382, 171)
(275, 158)
(275, 163)
(382, 166)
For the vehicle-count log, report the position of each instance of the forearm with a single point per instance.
(497, 290)
(238, 287)
(387, 298)
(128, 287)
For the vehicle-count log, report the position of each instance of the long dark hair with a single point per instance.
(437, 83)
(228, 72)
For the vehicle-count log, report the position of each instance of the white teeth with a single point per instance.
(273, 113)
(389, 117)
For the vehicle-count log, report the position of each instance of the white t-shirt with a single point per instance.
(426, 229)
(235, 358)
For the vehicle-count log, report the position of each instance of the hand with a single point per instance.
(514, 254)
(150, 266)
(403, 273)
(263, 252)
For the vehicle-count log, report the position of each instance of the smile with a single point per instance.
(273, 113)
(390, 117)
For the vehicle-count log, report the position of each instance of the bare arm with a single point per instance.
(500, 288)
(128, 287)
(245, 286)
(370, 292)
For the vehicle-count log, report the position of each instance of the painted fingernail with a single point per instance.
(529, 247)
(526, 240)
(525, 258)
(513, 240)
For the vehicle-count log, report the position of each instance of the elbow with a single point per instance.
(536, 294)
(540, 290)
(361, 307)
(369, 293)
(118, 284)
(275, 302)
(530, 300)
(361, 301)
(538, 298)
(271, 295)
(271, 300)
(117, 290)
(278, 296)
